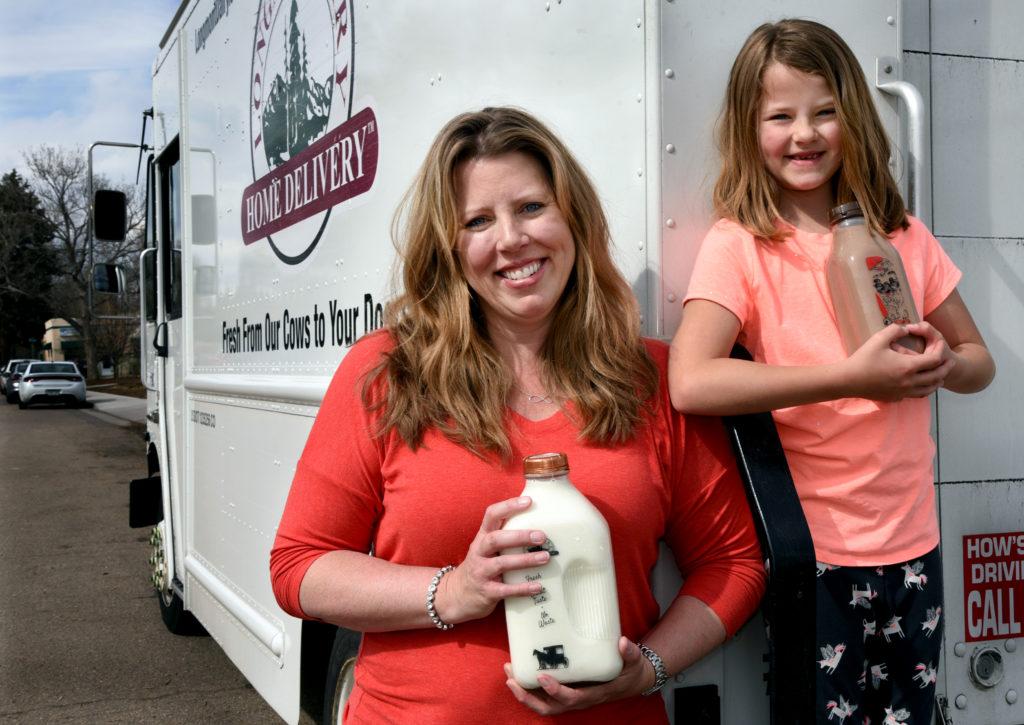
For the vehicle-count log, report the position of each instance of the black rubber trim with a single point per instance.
(789, 604)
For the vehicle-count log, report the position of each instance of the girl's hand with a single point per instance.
(553, 698)
(881, 369)
(475, 587)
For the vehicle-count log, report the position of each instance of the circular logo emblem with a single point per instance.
(300, 92)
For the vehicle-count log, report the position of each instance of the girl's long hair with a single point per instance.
(745, 192)
(443, 371)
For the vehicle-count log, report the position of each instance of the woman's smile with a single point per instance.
(515, 247)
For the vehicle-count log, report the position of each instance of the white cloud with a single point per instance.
(72, 73)
(53, 37)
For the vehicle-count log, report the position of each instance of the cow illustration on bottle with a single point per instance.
(551, 658)
(888, 292)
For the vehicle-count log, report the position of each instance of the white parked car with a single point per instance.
(51, 382)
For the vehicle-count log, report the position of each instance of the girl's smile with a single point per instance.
(799, 134)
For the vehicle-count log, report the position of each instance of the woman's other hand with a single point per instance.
(552, 697)
(881, 369)
(475, 587)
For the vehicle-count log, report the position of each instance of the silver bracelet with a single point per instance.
(660, 673)
(431, 591)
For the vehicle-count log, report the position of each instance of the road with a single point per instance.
(81, 640)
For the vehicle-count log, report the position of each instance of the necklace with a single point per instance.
(536, 399)
(533, 398)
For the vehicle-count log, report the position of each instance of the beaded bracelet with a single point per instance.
(431, 591)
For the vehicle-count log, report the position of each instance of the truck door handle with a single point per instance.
(160, 347)
(917, 133)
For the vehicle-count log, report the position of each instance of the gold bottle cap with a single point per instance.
(546, 464)
(849, 210)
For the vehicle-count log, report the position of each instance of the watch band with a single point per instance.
(660, 673)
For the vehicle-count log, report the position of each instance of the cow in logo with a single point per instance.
(552, 658)
(547, 546)
(870, 629)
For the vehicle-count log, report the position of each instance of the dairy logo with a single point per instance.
(887, 291)
(547, 546)
(551, 658)
(309, 151)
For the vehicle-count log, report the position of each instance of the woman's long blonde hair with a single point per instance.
(443, 372)
(745, 192)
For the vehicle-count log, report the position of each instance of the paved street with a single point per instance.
(81, 640)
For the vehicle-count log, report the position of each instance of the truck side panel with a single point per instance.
(277, 293)
(967, 57)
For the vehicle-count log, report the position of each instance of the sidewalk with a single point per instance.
(117, 409)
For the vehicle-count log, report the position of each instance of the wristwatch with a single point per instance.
(660, 674)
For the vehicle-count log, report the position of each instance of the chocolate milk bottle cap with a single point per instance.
(849, 210)
(546, 464)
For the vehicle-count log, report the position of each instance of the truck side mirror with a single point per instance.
(110, 215)
(108, 278)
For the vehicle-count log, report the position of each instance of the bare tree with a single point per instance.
(60, 180)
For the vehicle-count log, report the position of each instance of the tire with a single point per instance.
(340, 675)
(177, 619)
(22, 404)
(11, 398)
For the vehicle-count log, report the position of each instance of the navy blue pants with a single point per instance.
(879, 633)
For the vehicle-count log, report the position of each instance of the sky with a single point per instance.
(74, 72)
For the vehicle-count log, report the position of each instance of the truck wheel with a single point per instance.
(340, 675)
(177, 619)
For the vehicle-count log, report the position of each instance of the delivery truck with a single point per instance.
(283, 135)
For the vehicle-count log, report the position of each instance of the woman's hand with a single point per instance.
(475, 587)
(553, 698)
(882, 369)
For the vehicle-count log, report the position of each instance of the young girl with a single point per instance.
(800, 134)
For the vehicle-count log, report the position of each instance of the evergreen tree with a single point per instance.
(27, 265)
(297, 107)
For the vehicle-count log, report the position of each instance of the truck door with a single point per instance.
(168, 336)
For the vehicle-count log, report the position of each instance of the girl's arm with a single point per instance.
(973, 367)
(704, 380)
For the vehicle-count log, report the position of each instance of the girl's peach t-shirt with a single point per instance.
(862, 469)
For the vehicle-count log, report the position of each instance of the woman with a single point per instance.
(514, 335)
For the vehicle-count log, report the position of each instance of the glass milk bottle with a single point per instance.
(867, 281)
(570, 630)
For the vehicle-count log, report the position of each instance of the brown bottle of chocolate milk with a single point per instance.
(867, 281)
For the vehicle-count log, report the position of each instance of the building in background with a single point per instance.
(61, 341)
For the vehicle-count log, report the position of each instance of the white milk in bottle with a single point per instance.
(867, 281)
(570, 630)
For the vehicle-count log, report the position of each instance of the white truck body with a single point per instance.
(286, 131)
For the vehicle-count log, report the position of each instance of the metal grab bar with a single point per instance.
(143, 367)
(917, 136)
